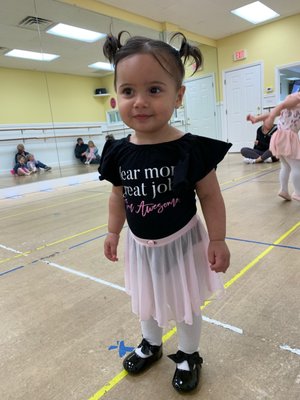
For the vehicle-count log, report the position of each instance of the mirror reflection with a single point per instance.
(47, 105)
(289, 80)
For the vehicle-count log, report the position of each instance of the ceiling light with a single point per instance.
(255, 12)
(72, 32)
(102, 65)
(31, 55)
(293, 78)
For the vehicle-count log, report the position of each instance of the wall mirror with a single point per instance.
(47, 105)
(289, 77)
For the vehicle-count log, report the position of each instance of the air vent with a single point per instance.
(35, 23)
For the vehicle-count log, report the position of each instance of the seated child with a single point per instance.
(91, 153)
(20, 167)
(31, 163)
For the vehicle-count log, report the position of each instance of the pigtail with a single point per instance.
(188, 51)
(112, 45)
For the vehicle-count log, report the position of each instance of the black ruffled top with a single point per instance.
(159, 179)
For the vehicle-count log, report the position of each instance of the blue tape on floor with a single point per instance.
(11, 270)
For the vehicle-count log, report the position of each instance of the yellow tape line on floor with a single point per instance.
(56, 205)
(26, 253)
(106, 388)
(251, 174)
(260, 256)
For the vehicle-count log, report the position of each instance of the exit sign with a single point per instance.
(239, 55)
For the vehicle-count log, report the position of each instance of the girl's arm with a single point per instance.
(257, 118)
(116, 219)
(291, 101)
(213, 209)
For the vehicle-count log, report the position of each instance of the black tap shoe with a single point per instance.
(134, 364)
(186, 381)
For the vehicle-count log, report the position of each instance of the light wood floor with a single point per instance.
(66, 321)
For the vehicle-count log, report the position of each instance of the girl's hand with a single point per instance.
(251, 118)
(218, 255)
(110, 246)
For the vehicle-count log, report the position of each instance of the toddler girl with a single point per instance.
(171, 264)
(91, 152)
(20, 167)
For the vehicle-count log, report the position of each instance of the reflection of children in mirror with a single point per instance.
(31, 163)
(91, 153)
(20, 167)
(22, 152)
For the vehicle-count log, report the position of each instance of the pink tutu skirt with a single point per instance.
(170, 278)
(285, 143)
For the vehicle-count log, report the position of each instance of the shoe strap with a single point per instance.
(192, 359)
(148, 348)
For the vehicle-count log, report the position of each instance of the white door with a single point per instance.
(200, 107)
(243, 96)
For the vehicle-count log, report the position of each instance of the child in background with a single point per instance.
(91, 153)
(171, 264)
(22, 152)
(31, 163)
(285, 142)
(20, 167)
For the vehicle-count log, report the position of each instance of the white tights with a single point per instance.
(188, 335)
(289, 166)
